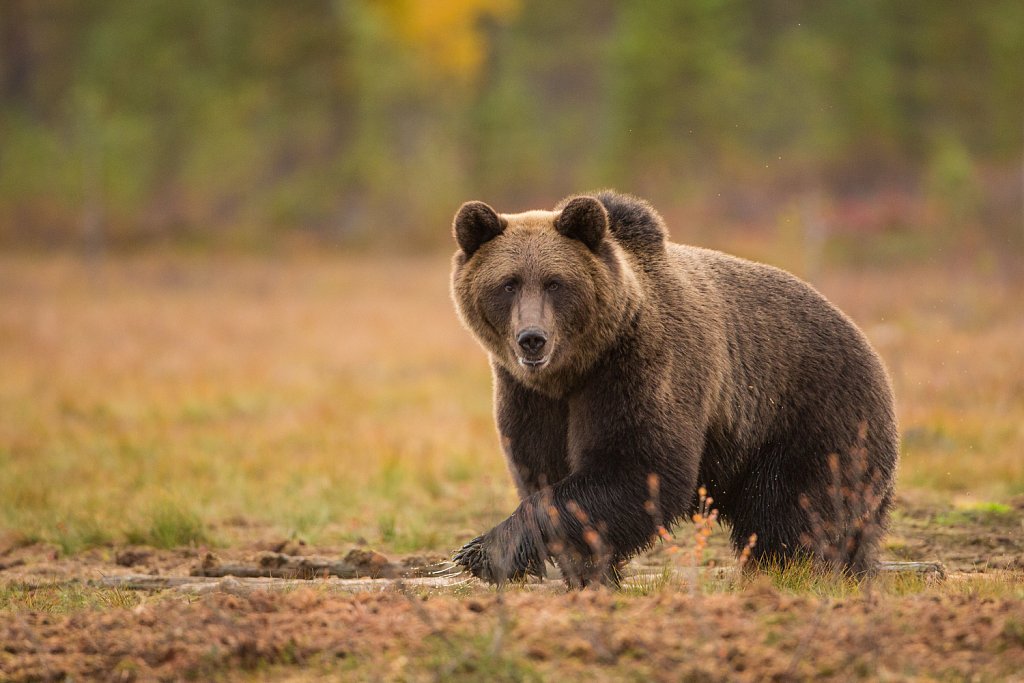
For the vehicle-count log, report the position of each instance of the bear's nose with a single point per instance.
(532, 340)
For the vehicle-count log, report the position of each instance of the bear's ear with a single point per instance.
(476, 223)
(583, 219)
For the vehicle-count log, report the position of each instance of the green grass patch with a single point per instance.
(169, 525)
(802, 576)
(403, 533)
(979, 513)
(79, 534)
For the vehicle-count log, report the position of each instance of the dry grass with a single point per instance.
(336, 399)
(172, 400)
(180, 400)
(64, 599)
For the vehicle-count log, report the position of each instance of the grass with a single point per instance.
(802, 577)
(173, 401)
(64, 598)
(975, 513)
(651, 584)
(1005, 585)
(155, 399)
(475, 658)
(168, 525)
(274, 392)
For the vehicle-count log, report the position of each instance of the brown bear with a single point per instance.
(630, 371)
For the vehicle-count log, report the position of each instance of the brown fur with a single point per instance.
(685, 363)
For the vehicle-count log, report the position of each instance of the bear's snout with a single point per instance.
(532, 340)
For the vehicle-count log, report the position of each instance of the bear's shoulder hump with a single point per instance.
(633, 222)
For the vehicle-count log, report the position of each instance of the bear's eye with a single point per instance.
(552, 286)
(510, 286)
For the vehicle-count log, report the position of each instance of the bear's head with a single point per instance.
(545, 292)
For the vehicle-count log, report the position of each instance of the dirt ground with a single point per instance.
(757, 634)
(60, 624)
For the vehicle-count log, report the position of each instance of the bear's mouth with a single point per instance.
(534, 364)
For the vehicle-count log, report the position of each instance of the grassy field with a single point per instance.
(166, 401)
(191, 404)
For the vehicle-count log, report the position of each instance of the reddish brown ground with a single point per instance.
(757, 634)
(970, 627)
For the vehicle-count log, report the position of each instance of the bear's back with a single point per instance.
(781, 346)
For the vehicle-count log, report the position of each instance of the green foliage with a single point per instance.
(952, 182)
(127, 121)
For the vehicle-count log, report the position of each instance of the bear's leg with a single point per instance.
(533, 429)
(832, 509)
(589, 524)
(599, 515)
(861, 543)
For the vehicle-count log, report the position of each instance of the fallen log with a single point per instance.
(247, 578)
(929, 570)
(241, 585)
(356, 564)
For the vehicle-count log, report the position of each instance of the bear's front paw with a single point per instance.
(473, 558)
(494, 561)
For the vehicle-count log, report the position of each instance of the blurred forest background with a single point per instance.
(361, 122)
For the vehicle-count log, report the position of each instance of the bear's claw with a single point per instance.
(479, 559)
(474, 559)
